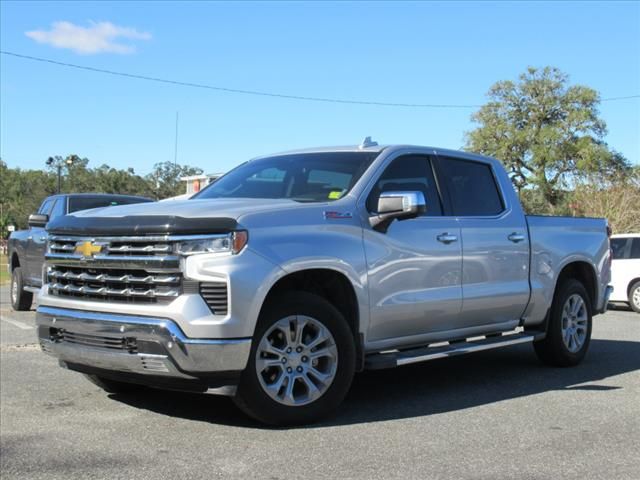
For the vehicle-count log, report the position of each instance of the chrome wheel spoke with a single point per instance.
(288, 392)
(264, 363)
(329, 351)
(321, 377)
(312, 391)
(275, 387)
(321, 337)
(577, 305)
(267, 347)
(300, 323)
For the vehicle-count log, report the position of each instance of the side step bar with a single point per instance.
(392, 359)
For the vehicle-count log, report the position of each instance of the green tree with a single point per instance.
(164, 180)
(546, 133)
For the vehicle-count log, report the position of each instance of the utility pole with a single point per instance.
(175, 149)
(58, 162)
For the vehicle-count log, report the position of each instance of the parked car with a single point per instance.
(292, 272)
(625, 270)
(26, 248)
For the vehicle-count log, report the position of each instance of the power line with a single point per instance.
(257, 92)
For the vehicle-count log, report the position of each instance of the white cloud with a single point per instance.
(98, 37)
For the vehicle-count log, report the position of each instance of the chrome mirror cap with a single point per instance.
(397, 205)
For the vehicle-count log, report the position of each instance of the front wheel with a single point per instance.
(21, 300)
(569, 327)
(301, 364)
(634, 297)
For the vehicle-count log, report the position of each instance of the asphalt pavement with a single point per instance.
(493, 415)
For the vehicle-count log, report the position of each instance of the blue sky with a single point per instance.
(435, 52)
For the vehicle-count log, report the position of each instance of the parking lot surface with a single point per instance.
(494, 415)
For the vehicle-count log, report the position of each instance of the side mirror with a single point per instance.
(38, 220)
(397, 206)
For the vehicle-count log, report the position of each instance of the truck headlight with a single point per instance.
(232, 242)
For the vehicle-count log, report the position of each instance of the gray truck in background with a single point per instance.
(292, 272)
(26, 248)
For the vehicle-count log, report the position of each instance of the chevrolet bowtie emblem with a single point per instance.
(87, 249)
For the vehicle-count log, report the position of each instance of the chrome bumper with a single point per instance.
(135, 344)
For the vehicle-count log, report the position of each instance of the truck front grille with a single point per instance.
(94, 341)
(110, 284)
(116, 269)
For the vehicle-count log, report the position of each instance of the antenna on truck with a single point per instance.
(367, 142)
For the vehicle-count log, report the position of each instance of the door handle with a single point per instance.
(446, 238)
(516, 237)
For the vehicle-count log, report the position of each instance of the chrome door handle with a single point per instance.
(516, 237)
(447, 238)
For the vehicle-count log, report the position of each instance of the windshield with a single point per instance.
(307, 177)
(86, 203)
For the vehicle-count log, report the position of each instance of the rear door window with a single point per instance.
(472, 187)
(619, 247)
(635, 248)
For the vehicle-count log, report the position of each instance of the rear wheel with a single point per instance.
(20, 299)
(569, 327)
(634, 297)
(301, 364)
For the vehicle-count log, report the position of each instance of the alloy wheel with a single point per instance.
(296, 360)
(575, 320)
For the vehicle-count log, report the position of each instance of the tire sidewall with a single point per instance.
(634, 287)
(16, 279)
(257, 403)
(571, 287)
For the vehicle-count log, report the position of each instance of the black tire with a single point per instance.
(21, 300)
(552, 350)
(251, 397)
(114, 386)
(634, 292)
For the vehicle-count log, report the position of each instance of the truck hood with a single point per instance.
(161, 218)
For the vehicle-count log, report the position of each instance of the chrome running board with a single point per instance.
(394, 358)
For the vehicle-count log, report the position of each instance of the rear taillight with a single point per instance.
(609, 232)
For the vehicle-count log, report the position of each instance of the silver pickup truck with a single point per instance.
(290, 273)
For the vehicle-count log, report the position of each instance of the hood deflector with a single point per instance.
(140, 225)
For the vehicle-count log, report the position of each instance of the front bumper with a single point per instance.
(143, 346)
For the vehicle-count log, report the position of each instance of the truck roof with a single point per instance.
(379, 148)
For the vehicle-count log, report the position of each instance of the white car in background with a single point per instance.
(625, 270)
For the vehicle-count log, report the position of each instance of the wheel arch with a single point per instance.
(332, 285)
(632, 282)
(585, 273)
(15, 261)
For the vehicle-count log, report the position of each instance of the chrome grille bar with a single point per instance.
(103, 277)
(146, 262)
(113, 292)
